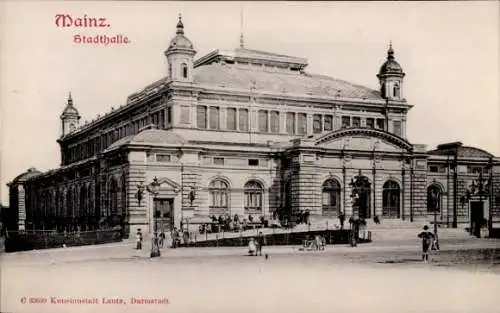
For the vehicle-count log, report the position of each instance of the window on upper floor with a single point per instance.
(201, 116)
(231, 118)
(433, 168)
(290, 123)
(396, 91)
(219, 161)
(243, 122)
(346, 121)
(184, 70)
(169, 115)
(370, 122)
(328, 119)
(317, 123)
(214, 117)
(396, 128)
(356, 121)
(253, 162)
(163, 158)
(302, 123)
(263, 121)
(380, 123)
(275, 122)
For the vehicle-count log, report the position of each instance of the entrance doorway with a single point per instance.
(164, 213)
(477, 217)
(361, 193)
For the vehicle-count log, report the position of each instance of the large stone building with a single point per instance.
(253, 133)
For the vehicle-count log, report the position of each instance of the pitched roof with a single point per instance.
(461, 150)
(149, 137)
(234, 76)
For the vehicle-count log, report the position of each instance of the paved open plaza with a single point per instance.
(462, 277)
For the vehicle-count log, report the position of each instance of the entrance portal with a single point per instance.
(477, 217)
(361, 196)
(164, 213)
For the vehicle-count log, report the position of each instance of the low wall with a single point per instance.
(37, 240)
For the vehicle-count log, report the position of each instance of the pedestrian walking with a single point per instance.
(138, 237)
(162, 239)
(342, 219)
(427, 239)
(260, 243)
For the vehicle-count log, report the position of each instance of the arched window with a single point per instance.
(184, 70)
(253, 196)
(219, 194)
(433, 199)
(113, 197)
(123, 196)
(390, 199)
(396, 90)
(331, 196)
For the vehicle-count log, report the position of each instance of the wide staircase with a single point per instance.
(388, 230)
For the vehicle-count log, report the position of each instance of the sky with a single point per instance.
(449, 51)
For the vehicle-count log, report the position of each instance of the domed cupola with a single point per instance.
(391, 77)
(69, 117)
(180, 55)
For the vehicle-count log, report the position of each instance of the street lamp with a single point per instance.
(477, 190)
(435, 196)
(153, 188)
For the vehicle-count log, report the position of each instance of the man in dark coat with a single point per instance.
(260, 243)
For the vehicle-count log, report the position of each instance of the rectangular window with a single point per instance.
(328, 122)
(162, 120)
(380, 123)
(155, 119)
(396, 128)
(163, 158)
(290, 123)
(356, 121)
(253, 162)
(302, 123)
(243, 119)
(201, 116)
(275, 122)
(370, 122)
(433, 169)
(219, 161)
(317, 123)
(185, 114)
(346, 121)
(169, 116)
(263, 121)
(231, 119)
(214, 117)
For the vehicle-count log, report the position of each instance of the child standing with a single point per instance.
(427, 239)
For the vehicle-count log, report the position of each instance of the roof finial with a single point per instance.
(390, 52)
(242, 41)
(70, 100)
(180, 26)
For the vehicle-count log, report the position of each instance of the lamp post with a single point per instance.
(153, 189)
(436, 199)
(471, 192)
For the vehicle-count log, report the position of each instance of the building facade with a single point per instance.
(249, 132)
